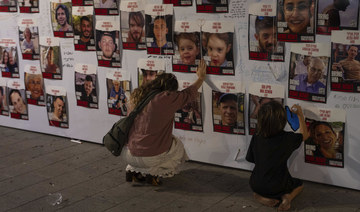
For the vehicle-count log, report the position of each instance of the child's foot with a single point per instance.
(285, 203)
(266, 201)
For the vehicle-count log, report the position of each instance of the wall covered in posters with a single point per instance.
(73, 66)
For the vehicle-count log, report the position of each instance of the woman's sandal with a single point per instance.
(153, 180)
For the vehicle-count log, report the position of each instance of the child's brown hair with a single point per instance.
(271, 119)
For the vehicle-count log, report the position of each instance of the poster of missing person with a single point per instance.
(308, 71)
(17, 102)
(217, 47)
(50, 58)
(29, 6)
(325, 145)
(178, 2)
(159, 29)
(228, 107)
(29, 39)
(148, 69)
(106, 7)
(82, 2)
(337, 15)
(83, 18)
(4, 106)
(107, 40)
(187, 46)
(189, 117)
(9, 58)
(133, 25)
(296, 26)
(118, 91)
(259, 94)
(86, 86)
(34, 85)
(263, 44)
(345, 61)
(8, 6)
(56, 106)
(212, 6)
(61, 18)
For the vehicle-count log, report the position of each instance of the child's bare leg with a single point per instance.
(287, 198)
(266, 201)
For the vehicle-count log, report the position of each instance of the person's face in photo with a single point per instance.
(188, 51)
(61, 17)
(107, 46)
(315, 71)
(217, 50)
(11, 59)
(136, 29)
(27, 34)
(341, 4)
(34, 86)
(116, 85)
(49, 57)
(149, 75)
(160, 29)
(297, 15)
(58, 108)
(325, 137)
(228, 110)
(352, 52)
(5, 58)
(88, 86)
(86, 29)
(306, 60)
(18, 103)
(267, 39)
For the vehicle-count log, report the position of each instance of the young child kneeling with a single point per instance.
(270, 148)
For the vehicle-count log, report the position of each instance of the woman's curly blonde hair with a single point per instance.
(163, 82)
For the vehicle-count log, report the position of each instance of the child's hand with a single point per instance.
(297, 110)
(201, 70)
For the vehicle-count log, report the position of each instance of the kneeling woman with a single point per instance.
(152, 150)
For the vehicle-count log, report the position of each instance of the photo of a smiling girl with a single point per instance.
(187, 54)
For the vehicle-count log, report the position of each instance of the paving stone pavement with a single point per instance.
(40, 172)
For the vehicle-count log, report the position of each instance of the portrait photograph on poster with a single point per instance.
(337, 15)
(189, 117)
(178, 3)
(86, 86)
(212, 6)
(106, 7)
(345, 61)
(325, 145)
(308, 72)
(107, 41)
(187, 46)
(61, 18)
(217, 47)
(259, 94)
(9, 59)
(83, 29)
(82, 2)
(132, 25)
(50, 58)
(17, 101)
(4, 106)
(56, 106)
(34, 85)
(296, 26)
(263, 44)
(118, 92)
(148, 69)
(159, 29)
(29, 39)
(29, 6)
(228, 112)
(8, 6)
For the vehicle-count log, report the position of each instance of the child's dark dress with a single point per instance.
(270, 177)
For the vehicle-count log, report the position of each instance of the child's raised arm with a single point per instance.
(303, 129)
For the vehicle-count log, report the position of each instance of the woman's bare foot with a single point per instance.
(285, 203)
(266, 201)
